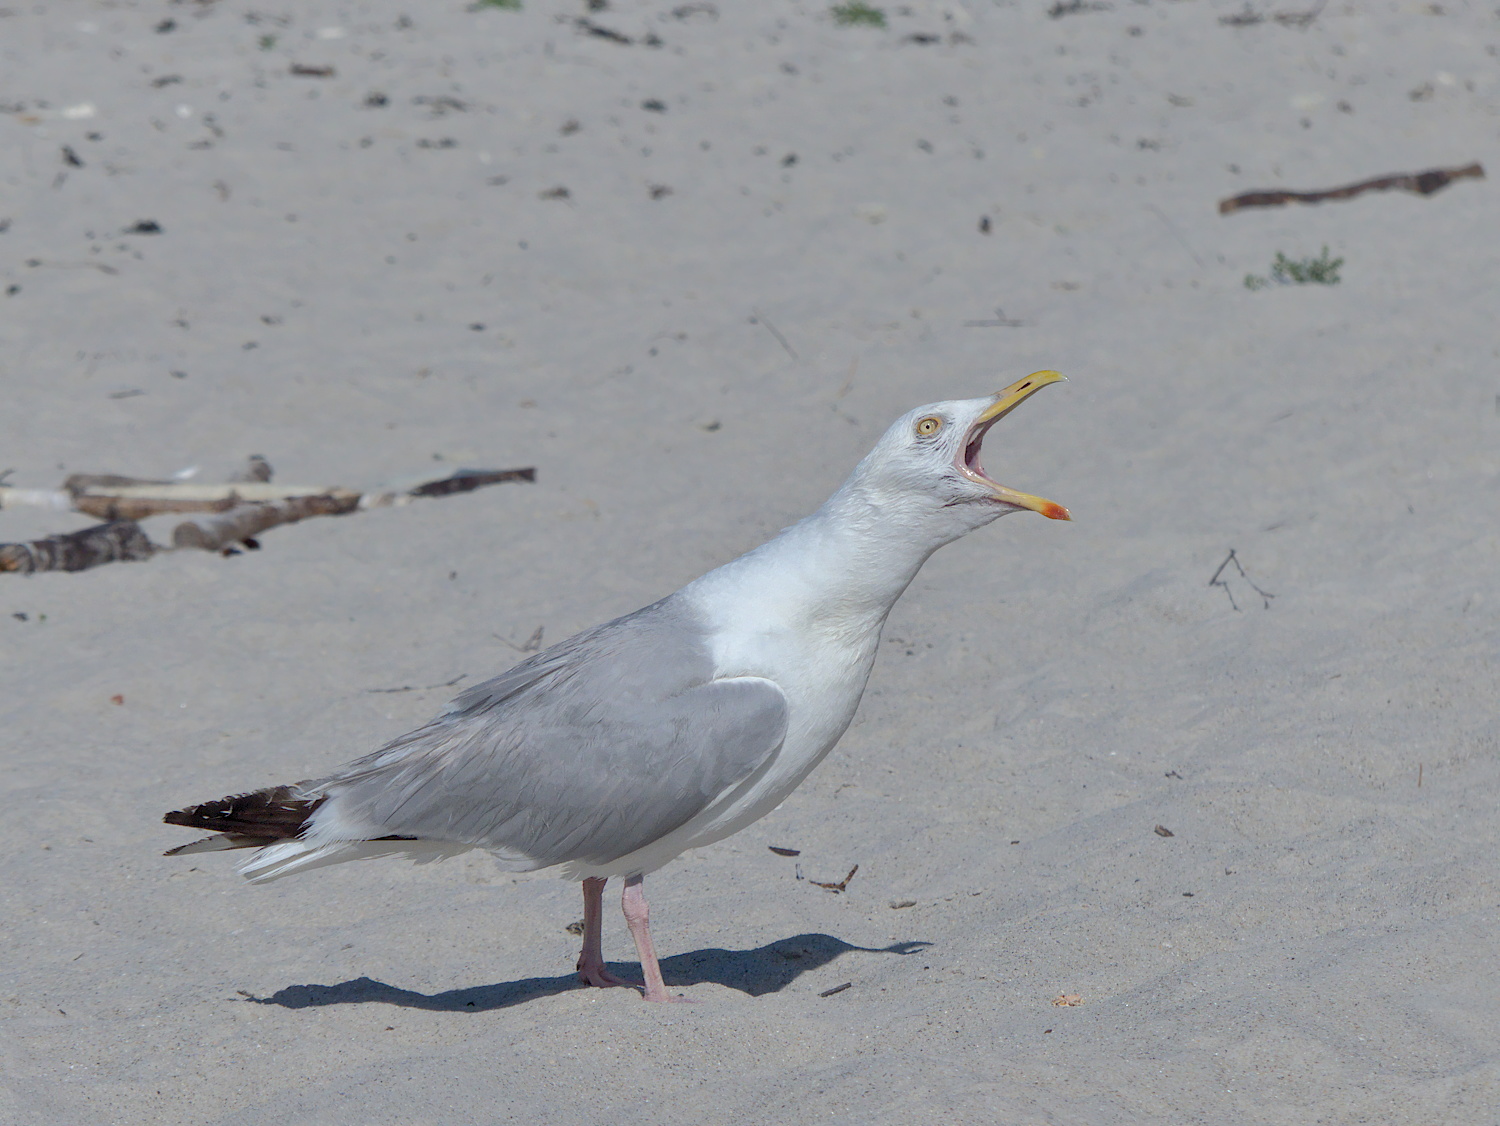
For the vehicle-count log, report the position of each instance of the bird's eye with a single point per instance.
(929, 426)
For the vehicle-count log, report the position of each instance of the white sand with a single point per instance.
(1064, 687)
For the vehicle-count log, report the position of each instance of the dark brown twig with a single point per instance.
(417, 687)
(760, 318)
(588, 26)
(999, 320)
(530, 645)
(1420, 183)
(467, 480)
(838, 887)
(1232, 557)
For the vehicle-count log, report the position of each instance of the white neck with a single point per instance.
(839, 571)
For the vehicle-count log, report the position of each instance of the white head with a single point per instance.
(925, 470)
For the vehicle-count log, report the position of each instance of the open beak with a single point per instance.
(968, 458)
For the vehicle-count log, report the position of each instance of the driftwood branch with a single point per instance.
(59, 500)
(119, 542)
(1420, 183)
(244, 522)
(237, 512)
(131, 498)
(125, 498)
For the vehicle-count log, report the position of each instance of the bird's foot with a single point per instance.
(595, 973)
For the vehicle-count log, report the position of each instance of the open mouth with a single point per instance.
(968, 459)
(971, 462)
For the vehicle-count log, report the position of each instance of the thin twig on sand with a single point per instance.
(1265, 595)
(842, 885)
(1420, 183)
(760, 318)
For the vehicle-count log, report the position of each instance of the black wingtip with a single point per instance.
(275, 813)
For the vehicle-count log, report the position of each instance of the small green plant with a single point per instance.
(1321, 270)
(856, 13)
(267, 42)
(505, 5)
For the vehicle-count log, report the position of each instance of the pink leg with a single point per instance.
(591, 968)
(638, 919)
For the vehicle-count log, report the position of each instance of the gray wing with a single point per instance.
(587, 751)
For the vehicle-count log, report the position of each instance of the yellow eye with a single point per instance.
(929, 426)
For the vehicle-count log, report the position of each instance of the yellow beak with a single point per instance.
(1005, 402)
(1017, 393)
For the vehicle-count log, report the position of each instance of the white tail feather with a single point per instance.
(286, 858)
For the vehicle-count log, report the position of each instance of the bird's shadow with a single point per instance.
(765, 969)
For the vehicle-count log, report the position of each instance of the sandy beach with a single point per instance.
(688, 261)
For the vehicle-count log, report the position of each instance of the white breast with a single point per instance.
(783, 612)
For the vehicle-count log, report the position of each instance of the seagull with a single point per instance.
(613, 752)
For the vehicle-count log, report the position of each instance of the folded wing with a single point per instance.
(586, 752)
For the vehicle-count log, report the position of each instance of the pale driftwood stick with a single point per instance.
(133, 498)
(110, 506)
(242, 510)
(246, 521)
(1421, 183)
(138, 501)
(119, 542)
(151, 498)
(60, 500)
(82, 482)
